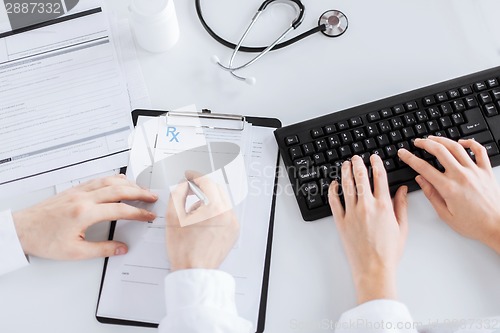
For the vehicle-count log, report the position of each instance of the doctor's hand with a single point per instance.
(55, 228)
(372, 228)
(466, 195)
(202, 236)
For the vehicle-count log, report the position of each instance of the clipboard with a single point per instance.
(238, 121)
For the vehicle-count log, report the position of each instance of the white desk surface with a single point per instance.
(390, 47)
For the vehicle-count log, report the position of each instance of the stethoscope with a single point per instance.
(332, 23)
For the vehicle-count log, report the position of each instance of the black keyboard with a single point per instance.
(314, 150)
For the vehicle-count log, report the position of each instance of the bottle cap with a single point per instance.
(150, 9)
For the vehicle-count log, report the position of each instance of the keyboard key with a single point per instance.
(466, 90)
(343, 125)
(372, 130)
(409, 119)
(492, 83)
(453, 133)
(295, 152)
(370, 144)
(395, 136)
(398, 109)
(421, 129)
(453, 93)
(484, 98)
(329, 171)
(356, 121)
(319, 158)
(384, 126)
(470, 102)
(432, 125)
(400, 176)
(373, 116)
(357, 148)
(445, 122)
(408, 133)
(496, 94)
(446, 109)
(346, 137)
(397, 123)
(438, 165)
(306, 174)
(479, 86)
(359, 134)
(321, 145)
(308, 148)
(391, 151)
(366, 157)
(309, 189)
(434, 112)
(411, 106)
(428, 101)
(316, 133)
(421, 116)
(403, 145)
(457, 118)
(324, 186)
(490, 110)
(481, 137)
(475, 122)
(292, 140)
(303, 162)
(382, 140)
(334, 141)
(440, 133)
(332, 155)
(386, 113)
(389, 164)
(491, 148)
(379, 152)
(441, 97)
(314, 201)
(345, 152)
(329, 129)
(458, 105)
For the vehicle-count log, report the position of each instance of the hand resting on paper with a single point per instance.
(55, 228)
(202, 236)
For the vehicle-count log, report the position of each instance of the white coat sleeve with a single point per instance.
(378, 316)
(202, 300)
(11, 253)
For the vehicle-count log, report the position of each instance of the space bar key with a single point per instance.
(401, 176)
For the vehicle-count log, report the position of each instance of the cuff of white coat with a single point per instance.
(200, 287)
(377, 316)
(12, 256)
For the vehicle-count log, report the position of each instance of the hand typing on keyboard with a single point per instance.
(466, 194)
(372, 228)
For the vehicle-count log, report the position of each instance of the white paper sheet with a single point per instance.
(64, 106)
(133, 285)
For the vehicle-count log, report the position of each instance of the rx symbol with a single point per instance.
(173, 132)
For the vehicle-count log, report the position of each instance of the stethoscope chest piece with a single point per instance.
(335, 21)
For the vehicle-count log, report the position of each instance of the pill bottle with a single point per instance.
(154, 23)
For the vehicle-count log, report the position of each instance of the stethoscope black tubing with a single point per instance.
(253, 49)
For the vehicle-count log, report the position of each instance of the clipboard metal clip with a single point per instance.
(206, 119)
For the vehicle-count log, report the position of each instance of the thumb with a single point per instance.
(401, 207)
(91, 250)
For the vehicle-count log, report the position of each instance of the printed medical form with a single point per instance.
(64, 105)
(133, 285)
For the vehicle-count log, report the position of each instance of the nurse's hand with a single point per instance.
(466, 195)
(55, 228)
(372, 228)
(202, 236)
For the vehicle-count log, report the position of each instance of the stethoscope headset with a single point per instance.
(332, 23)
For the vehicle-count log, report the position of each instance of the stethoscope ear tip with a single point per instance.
(215, 59)
(251, 81)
